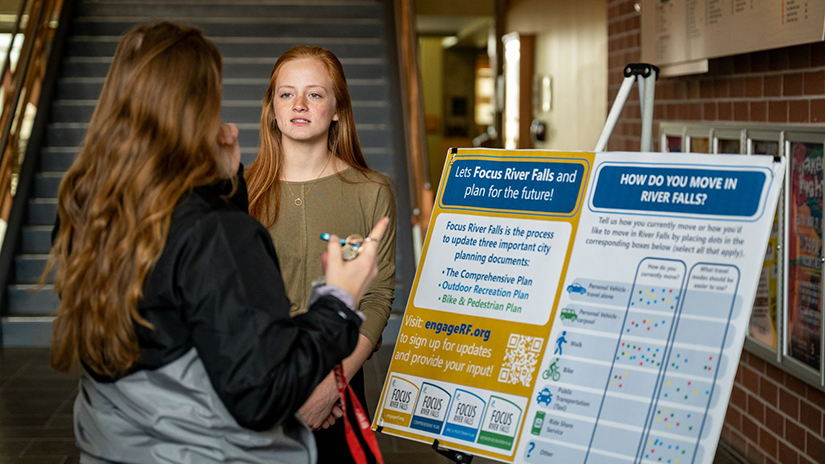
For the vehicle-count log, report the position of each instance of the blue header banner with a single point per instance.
(543, 187)
(680, 190)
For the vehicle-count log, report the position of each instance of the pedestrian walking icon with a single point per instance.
(559, 342)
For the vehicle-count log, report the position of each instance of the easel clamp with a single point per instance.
(641, 69)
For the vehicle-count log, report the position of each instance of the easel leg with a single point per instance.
(455, 456)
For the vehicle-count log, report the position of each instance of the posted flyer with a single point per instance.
(804, 254)
(763, 323)
(579, 307)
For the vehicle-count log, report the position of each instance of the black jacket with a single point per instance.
(217, 287)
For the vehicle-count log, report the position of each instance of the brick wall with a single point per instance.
(785, 85)
(773, 417)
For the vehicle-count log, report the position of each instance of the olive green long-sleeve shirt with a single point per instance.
(335, 206)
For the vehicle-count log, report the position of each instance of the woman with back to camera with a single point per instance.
(171, 296)
(310, 177)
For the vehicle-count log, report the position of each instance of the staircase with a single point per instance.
(250, 35)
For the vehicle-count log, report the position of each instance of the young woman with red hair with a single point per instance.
(311, 177)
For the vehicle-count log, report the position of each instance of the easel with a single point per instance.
(646, 74)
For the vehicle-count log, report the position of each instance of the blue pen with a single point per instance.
(325, 237)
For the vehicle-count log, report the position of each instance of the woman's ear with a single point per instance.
(335, 117)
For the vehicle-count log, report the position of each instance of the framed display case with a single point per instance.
(764, 330)
(698, 139)
(672, 138)
(729, 141)
(786, 326)
(802, 346)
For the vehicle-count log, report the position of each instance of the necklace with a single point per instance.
(297, 200)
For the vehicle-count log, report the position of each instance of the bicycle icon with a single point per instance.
(552, 372)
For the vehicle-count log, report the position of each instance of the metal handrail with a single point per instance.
(7, 61)
(21, 80)
(46, 78)
(422, 193)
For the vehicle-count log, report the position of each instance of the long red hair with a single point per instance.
(151, 139)
(264, 173)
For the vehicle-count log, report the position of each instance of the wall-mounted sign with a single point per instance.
(681, 31)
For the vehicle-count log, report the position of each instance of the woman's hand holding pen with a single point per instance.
(354, 276)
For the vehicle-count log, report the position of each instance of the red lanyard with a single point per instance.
(363, 421)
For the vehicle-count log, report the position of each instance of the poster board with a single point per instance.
(581, 307)
(683, 31)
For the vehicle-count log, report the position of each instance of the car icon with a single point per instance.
(576, 288)
(544, 397)
(568, 313)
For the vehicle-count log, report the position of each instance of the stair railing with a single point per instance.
(422, 192)
(21, 89)
(27, 91)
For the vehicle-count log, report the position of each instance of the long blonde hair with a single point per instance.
(151, 139)
(264, 173)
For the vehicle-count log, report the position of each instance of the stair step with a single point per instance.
(236, 111)
(249, 112)
(279, 26)
(46, 184)
(72, 111)
(245, 67)
(344, 48)
(57, 159)
(71, 134)
(42, 211)
(378, 157)
(88, 88)
(26, 331)
(32, 300)
(381, 160)
(182, 12)
(36, 239)
(29, 267)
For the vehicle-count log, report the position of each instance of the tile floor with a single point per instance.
(36, 408)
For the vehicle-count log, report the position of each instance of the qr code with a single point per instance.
(520, 359)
